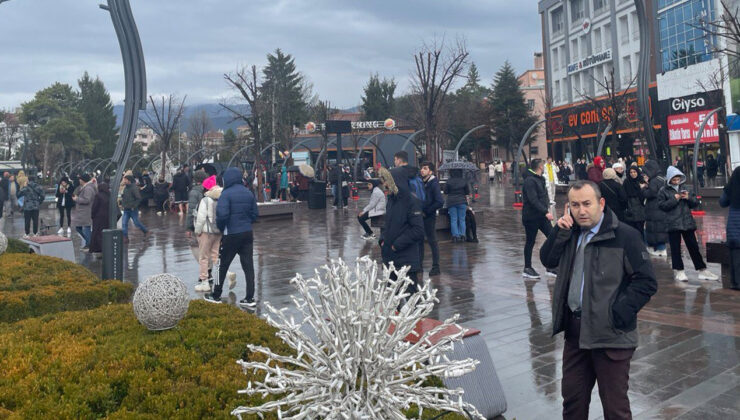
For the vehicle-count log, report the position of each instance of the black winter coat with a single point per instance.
(180, 182)
(635, 211)
(434, 200)
(99, 212)
(535, 198)
(65, 198)
(677, 212)
(655, 227)
(457, 190)
(161, 191)
(404, 226)
(616, 198)
(618, 282)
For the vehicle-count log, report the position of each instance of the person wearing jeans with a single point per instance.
(235, 212)
(130, 200)
(536, 214)
(33, 196)
(457, 191)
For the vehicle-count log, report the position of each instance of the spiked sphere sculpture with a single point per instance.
(358, 366)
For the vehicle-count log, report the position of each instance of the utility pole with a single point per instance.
(273, 123)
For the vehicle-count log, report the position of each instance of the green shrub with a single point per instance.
(33, 285)
(17, 247)
(103, 363)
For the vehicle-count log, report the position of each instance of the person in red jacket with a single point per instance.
(595, 172)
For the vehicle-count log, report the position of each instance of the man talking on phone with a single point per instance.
(604, 278)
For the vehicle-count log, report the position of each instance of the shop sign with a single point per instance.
(388, 124)
(590, 61)
(682, 129)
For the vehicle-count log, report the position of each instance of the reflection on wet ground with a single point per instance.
(687, 365)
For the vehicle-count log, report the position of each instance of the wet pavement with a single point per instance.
(687, 365)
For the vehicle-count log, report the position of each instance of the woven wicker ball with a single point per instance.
(161, 301)
(3, 243)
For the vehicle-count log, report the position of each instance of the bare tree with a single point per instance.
(247, 84)
(13, 125)
(437, 69)
(199, 125)
(164, 118)
(617, 106)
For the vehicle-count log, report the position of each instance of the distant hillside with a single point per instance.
(220, 118)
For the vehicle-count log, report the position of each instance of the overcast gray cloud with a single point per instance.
(190, 44)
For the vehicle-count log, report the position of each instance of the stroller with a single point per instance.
(471, 227)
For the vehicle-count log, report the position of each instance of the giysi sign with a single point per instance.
(686, 105)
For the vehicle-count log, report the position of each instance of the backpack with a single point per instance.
(416, 185)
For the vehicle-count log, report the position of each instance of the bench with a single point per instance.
(276, 210)
(52, 246)
(719, 252)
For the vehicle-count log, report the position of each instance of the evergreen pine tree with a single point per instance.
(285, 95)
(378, 102)
(95, 105)
(509, 116)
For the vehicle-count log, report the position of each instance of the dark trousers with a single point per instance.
(31, 216)
(640, 226)
(530, 228)
(430, 233)
(231, 245)
(62, 211)
(363, 222)
(583, 368)
(689, 238)
(735, 268)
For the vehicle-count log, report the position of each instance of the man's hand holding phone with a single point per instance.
(566, 222)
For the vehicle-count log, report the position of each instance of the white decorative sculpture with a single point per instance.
(3, 242)
(161, 301)
(358, 366)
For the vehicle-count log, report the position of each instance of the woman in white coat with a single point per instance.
(209, 237)
(375, 208)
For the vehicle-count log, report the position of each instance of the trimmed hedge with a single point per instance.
(33, 285)
(17, 247)
(103, 363)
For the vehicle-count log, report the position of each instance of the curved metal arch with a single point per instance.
(237, 153)
(323, 151)
(410, 139)
(300, 144)
(142, 157)
(90, 162)
(60, 166)
(515, 165)
(100, 163)
(362, 148)
(602, 141)
(696, 147)
(202, 149)
(465, 137)
(269, 146)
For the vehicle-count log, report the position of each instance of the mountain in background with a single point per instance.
(220, 118)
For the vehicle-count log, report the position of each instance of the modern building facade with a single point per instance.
(532, 83)
(591, 52)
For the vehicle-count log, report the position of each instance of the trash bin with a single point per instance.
(317, 195)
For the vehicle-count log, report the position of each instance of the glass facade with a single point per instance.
(682, 41)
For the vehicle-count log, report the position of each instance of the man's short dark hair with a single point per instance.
(582, 183)
(535, 164)
(428, 164)
(402, 155)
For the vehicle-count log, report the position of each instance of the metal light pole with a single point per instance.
(515, 165)
(465, 137)
(135, 82)
(700, 212)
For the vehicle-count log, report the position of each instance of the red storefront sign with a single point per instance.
(682, 129)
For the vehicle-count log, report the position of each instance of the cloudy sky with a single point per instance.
(189, 44)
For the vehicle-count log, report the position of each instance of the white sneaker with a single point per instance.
(60, 232)
(202, 286)
(25, 236)
(663, 253)
(159, 213)
(69, 231)
(232, 279)
(680, 275)
(653, 252)
(707, 275)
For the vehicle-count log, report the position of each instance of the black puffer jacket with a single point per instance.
(534, 196)
(619, 281)
(404, 226)
(655, 228)
(677, 212)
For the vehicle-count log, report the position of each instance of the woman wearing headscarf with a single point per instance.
(100, 213)
(595, 172)
(731, 198)
(634, 185)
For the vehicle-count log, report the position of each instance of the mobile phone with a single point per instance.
(567, 206)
